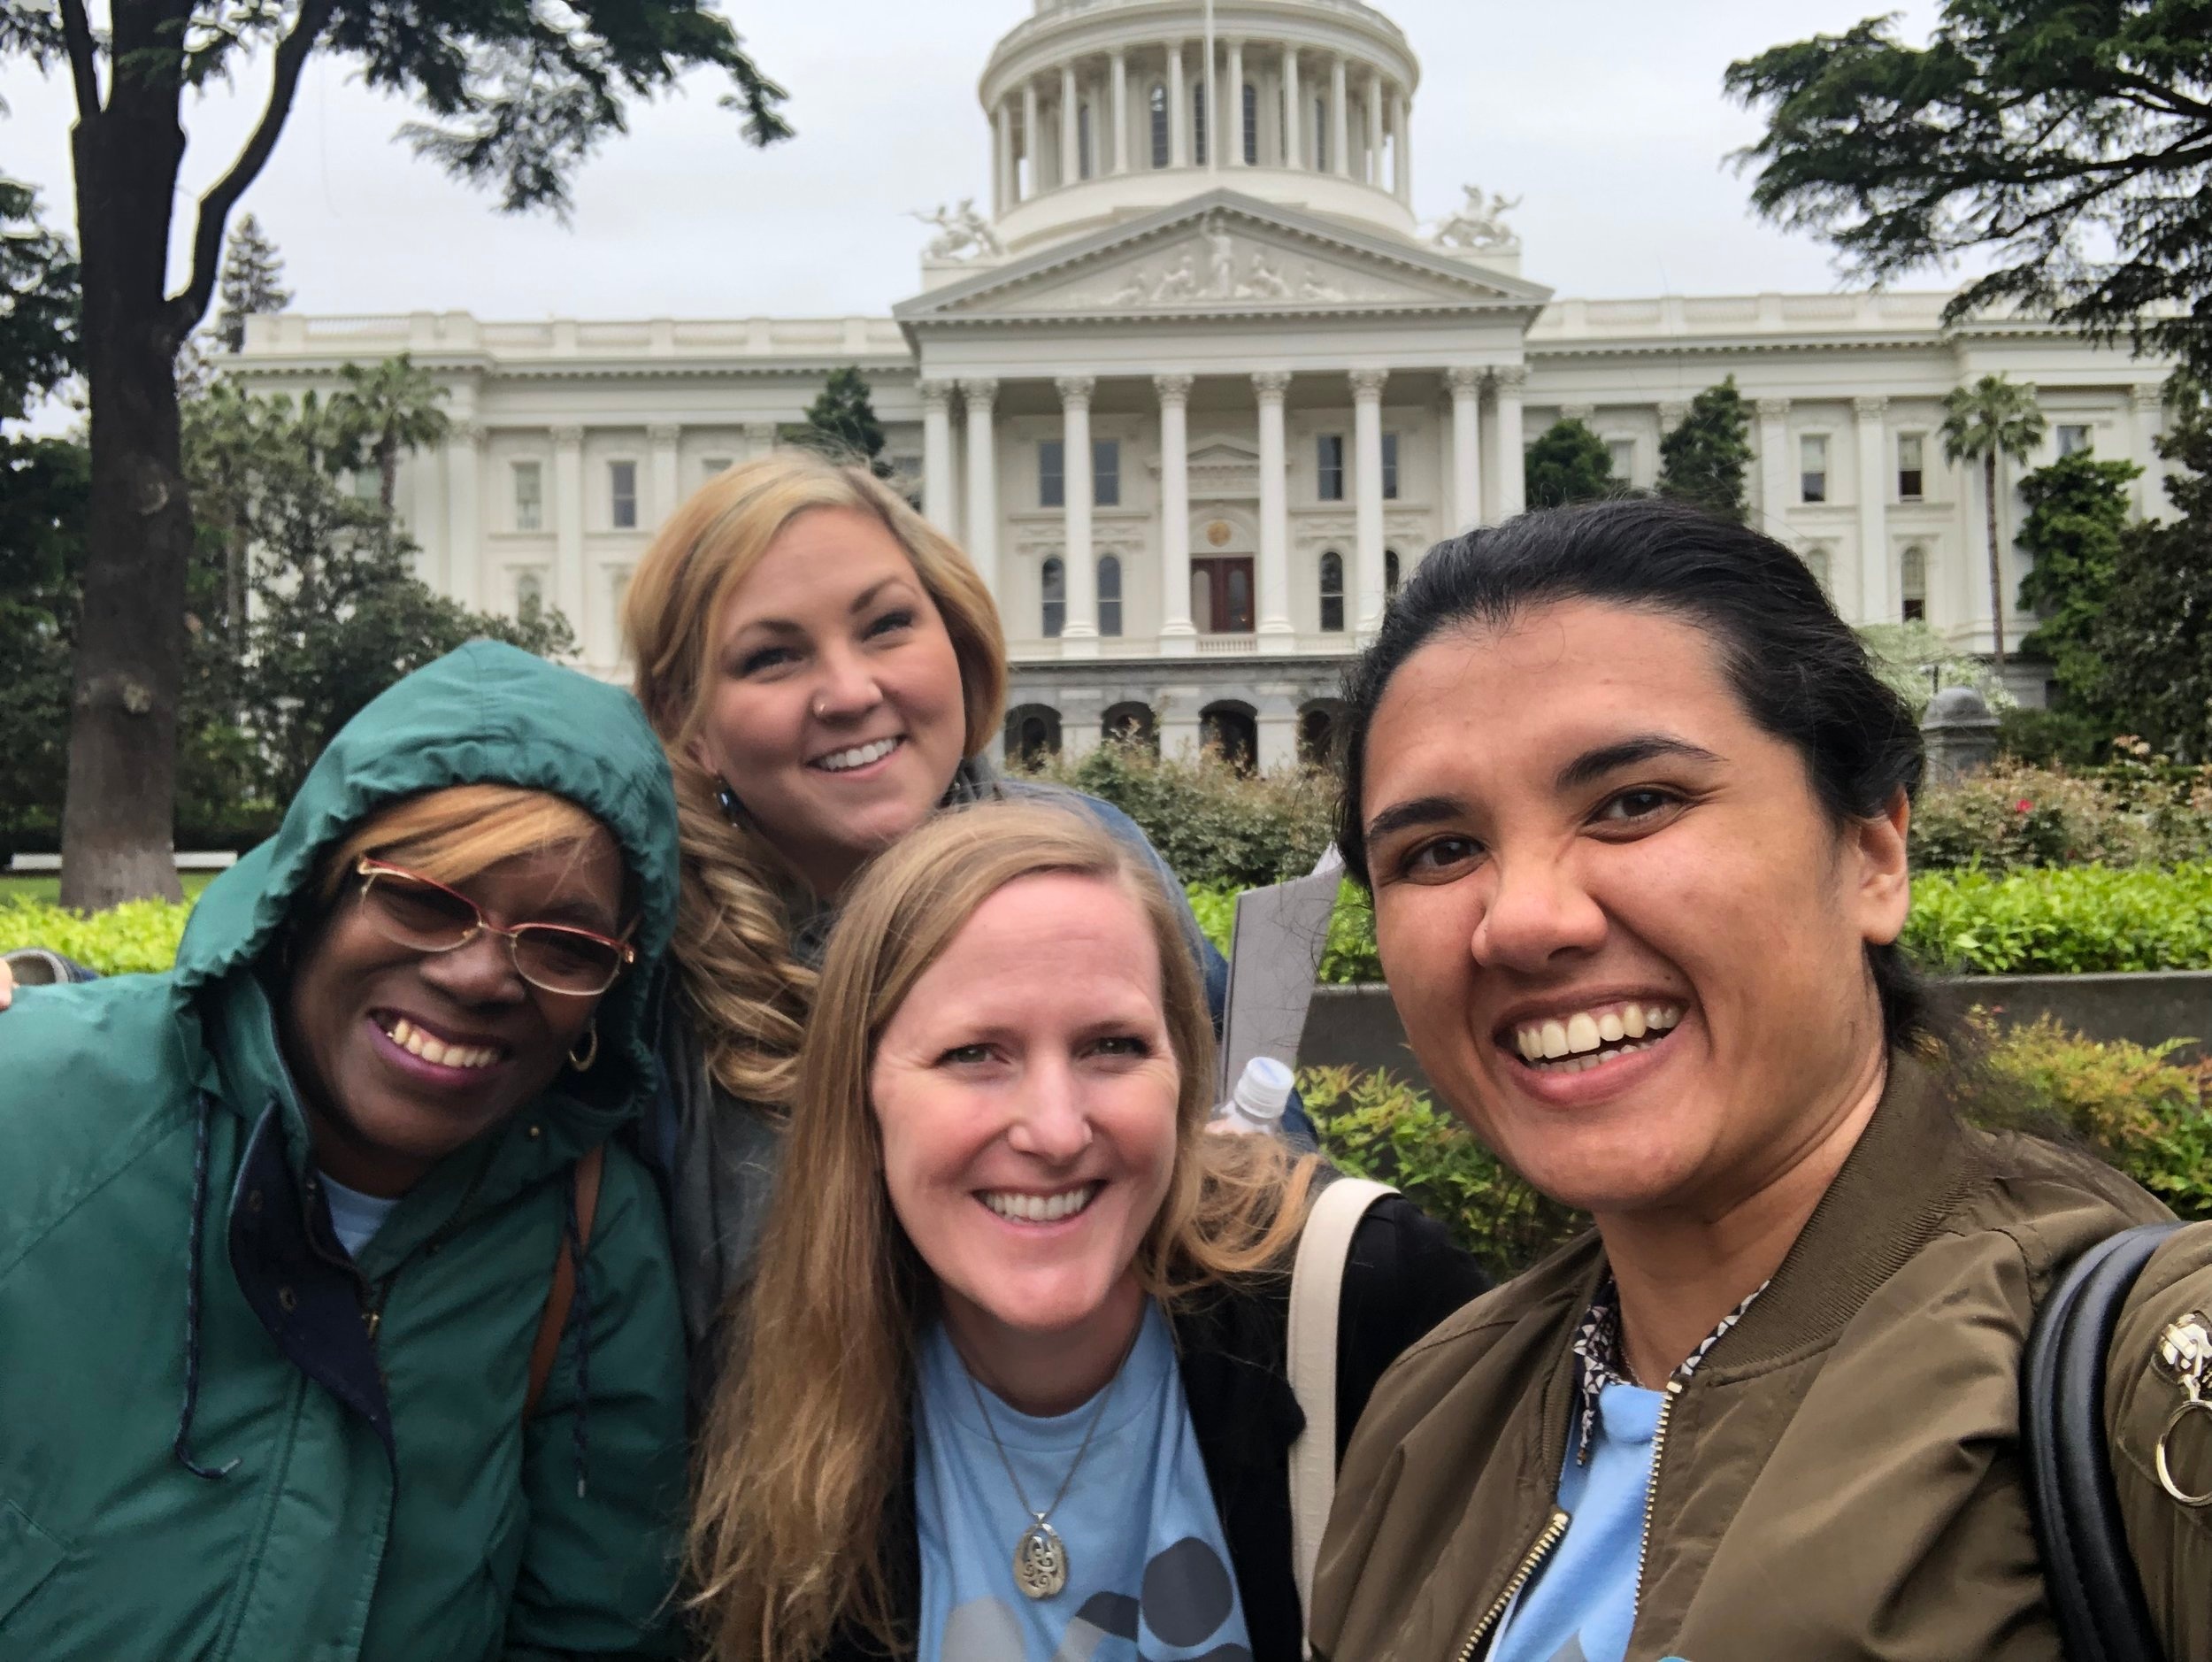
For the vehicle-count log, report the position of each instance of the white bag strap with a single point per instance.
(1317, 1284)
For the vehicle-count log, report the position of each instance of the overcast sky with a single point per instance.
(1605, 116)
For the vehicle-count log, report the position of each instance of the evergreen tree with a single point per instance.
(40, 304)
(842, 423)
(2077, 511)
(1569, 463)
(1992, 419)
(1703, 460)
(2154, 638)
(252, 284)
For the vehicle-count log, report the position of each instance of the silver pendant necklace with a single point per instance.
(1040, 1558)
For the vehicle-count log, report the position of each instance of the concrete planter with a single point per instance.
(1358, 1026)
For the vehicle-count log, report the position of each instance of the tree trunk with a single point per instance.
(1996, 562)
(387, 472)
(117, 818)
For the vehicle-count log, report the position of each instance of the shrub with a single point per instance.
(140, 935)
(1212, 824)
(1348, 958)
(2066, 920)
(2139, 810)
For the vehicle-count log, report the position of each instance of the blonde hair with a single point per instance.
(733, 944)
(459, 833)
(803, 1442)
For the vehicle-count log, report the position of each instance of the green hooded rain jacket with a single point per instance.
(172, 1296)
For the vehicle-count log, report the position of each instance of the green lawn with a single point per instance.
(45, 887)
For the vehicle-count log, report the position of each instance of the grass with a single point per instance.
(44, 887)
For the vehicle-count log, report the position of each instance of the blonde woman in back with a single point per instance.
(1010, 1380)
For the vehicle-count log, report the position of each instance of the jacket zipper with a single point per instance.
(1651, 1483)
(1545, 1542)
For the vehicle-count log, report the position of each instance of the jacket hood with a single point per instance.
(487, 713)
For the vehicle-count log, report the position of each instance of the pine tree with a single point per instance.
(1703, 460)
(251, 286)
(1569, 463)
(842, 423)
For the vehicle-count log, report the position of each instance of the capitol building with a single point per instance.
(1201, 385)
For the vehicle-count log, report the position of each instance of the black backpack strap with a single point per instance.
(2087, 1566)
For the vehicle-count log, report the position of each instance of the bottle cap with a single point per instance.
(1264, 1089)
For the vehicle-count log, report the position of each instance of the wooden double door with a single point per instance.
(1221, 594)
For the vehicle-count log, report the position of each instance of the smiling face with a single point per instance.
(1626, 941)
(1026, 1093)
(402, 1057)
(835, 711)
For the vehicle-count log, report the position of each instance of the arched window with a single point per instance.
(1033, 734)
(1130, 724)
(1231, 730)
(1390, 575)
(1317, 725)
(1109, 595)
(1333, 592)
(1159, 125)
(1055, 598)
(1251, 124)
(1083, 141)
(1912, 582)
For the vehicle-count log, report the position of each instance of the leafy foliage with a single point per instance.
(1915, 659)
(252, 284)
(842, 422)
(1568, 463)
(2136, 810)
(1211, 823)
(39, 309)
(382, 410)
(2152, 640)
(2062, 921)
(2078, 509)
(1704, 459)
(2068, 144)
(139, 937)
(44, 487)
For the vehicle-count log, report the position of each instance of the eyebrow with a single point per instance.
(1418, 810)
(865, 598)
(1593, 765)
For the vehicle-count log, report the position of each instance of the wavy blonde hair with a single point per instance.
(463, 831)
(805, 1438)
(740, 894)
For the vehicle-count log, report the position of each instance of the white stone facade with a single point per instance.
(1288, 391)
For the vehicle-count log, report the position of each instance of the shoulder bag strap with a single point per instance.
(2090, 1572)
(1316, 1285)
(547, 1345)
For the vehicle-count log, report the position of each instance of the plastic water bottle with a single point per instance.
(1255, 1106)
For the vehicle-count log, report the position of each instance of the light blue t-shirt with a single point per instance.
(1582, 1604)
(354, 1216)
(1148, 1572)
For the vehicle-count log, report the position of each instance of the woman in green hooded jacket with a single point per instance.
(279, 1229)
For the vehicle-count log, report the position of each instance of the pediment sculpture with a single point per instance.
(962, 233)
(1479, 224)
(1219, 266)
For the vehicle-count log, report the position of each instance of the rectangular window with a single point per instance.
(529, 496)
(1812, 467)
(1329, 463)
(529, 595)
(713, 466)
(622, 495)
(906, 478)
(1110, 595)
(1052, 479)
(2074, 439)
(1083, 141)
(1251, 124)
(1620, 455)
(1106, 473)
(1912, 449)
(1198, 123)
(1320, 135)
(1390, 466)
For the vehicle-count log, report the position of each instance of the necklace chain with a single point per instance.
(1089, 1431)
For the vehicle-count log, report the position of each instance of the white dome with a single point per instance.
(1100, 112)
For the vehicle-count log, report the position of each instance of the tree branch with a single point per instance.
(214, 209)
(76, 31)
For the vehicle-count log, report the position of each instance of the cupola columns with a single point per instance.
(1229, 122)
(1121, 61)
(1339, 127)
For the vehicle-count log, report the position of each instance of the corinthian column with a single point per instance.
(1340, 120)
(982, 481)
(1466, 387)
(1276, 632)
(1510, 472)
(1079, 638)
(568, 524)
(1179, 636)
(1774, 462)
(1367, 484)
(464, 525)
(937, 498)
(1877, 602)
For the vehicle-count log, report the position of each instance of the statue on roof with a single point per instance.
(1479, 223)
(962, 233)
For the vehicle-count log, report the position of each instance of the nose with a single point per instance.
(480, 971)
(846, 686)
(1052, 1122)
(1538, 912)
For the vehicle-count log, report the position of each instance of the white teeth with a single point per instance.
(859, 756)
(415, 1041)
(1570, 1045)
(1039, 1208)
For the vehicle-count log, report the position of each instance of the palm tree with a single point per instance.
(1993, 417)
(383, 411)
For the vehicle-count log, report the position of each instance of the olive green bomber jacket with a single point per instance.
(1840, 1478)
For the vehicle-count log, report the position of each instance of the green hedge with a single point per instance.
(141, 935)
(2135, 1107)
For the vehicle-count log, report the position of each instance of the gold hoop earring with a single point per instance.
(590, 1046)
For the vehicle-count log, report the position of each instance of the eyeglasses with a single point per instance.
(427, 916)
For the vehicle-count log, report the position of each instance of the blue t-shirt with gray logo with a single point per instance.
(1149, 1574)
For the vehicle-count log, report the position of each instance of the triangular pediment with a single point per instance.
(1222, 253)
